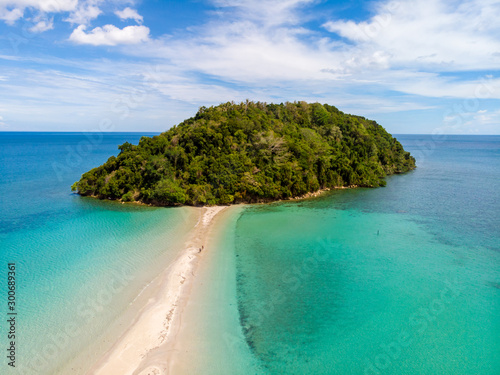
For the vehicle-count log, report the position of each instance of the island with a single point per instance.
(249, 152)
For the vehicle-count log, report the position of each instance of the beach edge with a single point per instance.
(139, 345)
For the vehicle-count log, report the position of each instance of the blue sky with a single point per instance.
(427, 66)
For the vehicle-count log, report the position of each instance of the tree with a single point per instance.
(249, 152)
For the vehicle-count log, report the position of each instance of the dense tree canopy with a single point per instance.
(249, 152)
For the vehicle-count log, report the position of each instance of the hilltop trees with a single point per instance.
(249, 152)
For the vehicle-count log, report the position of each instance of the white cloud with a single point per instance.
(487, 117)
(431, 85)
(126, 94)
(10, 16)
(265, 50)
(46, 6)
(42, 26)
(80, 12)
(10, 58)
(475, 122)
(110, 35)
(12, 10)
(85, 12)
(129, 13)
(430, 34)
(241, 47)
(265, 12)
(193, 92)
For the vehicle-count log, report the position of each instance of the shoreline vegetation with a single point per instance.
(249, 153)
(144, 347)
(308, 195)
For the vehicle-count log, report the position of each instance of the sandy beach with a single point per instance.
(141, 350)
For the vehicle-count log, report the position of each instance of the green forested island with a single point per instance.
(249, 152)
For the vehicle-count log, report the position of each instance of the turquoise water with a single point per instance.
(80, 262)
(399, 280)
(210, 339)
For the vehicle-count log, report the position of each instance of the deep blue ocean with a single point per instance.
(397, 280)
